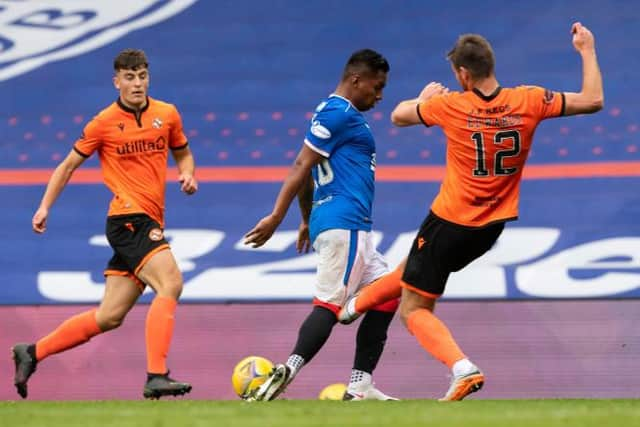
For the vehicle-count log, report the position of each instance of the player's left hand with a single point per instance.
(188, 183)
(431, 90)
(303, 245)
(262, 232)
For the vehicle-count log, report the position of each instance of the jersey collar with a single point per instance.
(136, 113)
(487, 97)
(333, 95)
(131, 110)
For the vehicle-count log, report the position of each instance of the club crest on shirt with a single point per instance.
(156, 234)
(157, 123)
(33, 33)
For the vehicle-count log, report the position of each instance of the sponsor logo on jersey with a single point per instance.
(141, 146)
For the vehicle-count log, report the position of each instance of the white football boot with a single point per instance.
(463, 385)
(365, 392)
(348, 313)
(275, 384)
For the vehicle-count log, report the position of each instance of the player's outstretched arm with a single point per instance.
(186, 169)
(58, 180)
(298, 174)
(406, 112)
(591, 97)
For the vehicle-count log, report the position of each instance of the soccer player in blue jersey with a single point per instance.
(339, 152)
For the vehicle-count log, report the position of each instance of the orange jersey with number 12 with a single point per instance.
(488, 141)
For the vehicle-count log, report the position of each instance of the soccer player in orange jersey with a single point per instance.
(489, 130)
(132, 137)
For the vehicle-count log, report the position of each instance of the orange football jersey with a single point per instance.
(133, 153)
(488, 141)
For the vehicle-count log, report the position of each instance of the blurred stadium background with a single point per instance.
(551, 312)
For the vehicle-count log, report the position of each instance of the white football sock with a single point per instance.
(359, 379)
(295, 362)
(463, 367)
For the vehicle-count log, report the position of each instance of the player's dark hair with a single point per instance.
(130, 59)
(474, 53)
(365, 61)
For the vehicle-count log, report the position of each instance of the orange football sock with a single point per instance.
(380, 291)
(72, 332)
(434, 336)
(158, 331)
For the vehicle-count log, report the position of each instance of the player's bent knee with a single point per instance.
(171, 289)
(404, 315)
(109, 322)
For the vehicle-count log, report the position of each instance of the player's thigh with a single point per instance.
(135, 239)
(470, 245)
(120, 294)
(374, 265)
(161, 272)
(424, 271)
(339, 265)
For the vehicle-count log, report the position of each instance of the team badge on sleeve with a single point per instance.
(320, 131)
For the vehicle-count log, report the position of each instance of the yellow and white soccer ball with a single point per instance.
(333, 392)
(249, 374)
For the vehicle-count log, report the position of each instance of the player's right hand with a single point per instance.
(431, 90)
(262, 232)
(583, 39)
(39, 221)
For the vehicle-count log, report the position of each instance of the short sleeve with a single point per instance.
(177, 137)
(325, 130)
(89, 140)
(431, 112)
(545, 102)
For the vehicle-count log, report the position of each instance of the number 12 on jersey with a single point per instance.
(498, 139)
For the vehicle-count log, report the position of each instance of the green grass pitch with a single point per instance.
(299, 413)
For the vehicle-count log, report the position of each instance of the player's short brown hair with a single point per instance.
(473, 52)
(130, 59)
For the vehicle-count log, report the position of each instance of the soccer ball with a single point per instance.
(333, 392)
(249, 374)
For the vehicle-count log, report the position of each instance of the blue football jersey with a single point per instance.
(344, 180)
